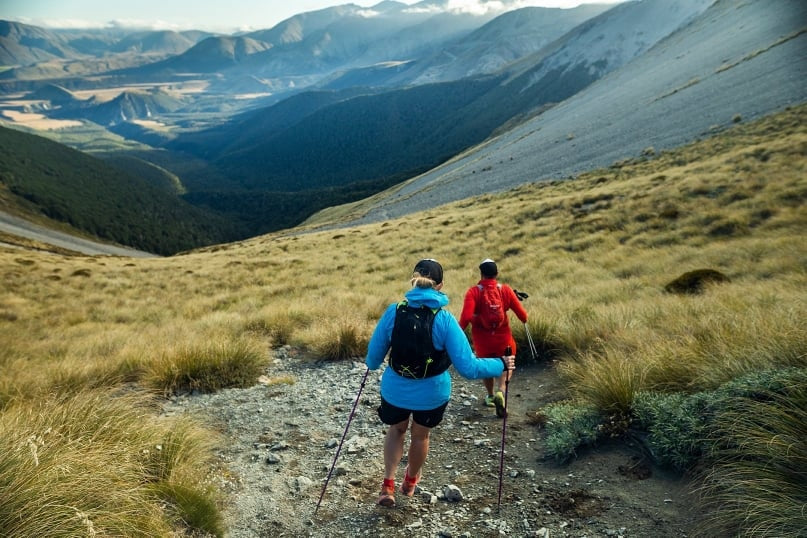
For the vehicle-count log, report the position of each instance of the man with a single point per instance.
(485, 308)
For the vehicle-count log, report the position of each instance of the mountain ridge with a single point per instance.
(752, 70)
(462, 113)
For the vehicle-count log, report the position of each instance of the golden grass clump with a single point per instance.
(340, 339)
(88, 465)
(607, 379)
(206, 367)
(758, 487)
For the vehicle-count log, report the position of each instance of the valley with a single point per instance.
(265, 133)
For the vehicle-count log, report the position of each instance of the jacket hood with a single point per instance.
(426, 296)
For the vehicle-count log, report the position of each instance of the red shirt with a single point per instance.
(487, 342)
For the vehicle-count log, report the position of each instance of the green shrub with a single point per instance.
(569, 426)
(678, 430)
(675, 425)
(694, 282)
(681, 428)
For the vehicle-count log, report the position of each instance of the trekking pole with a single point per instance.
(339, 449)
(530, 341)
(507, 353)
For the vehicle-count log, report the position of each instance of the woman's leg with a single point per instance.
(418, 448)
(393, 447)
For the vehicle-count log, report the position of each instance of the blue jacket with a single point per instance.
(430, 392)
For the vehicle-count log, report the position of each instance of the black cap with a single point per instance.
(430, 269)
(488, 268)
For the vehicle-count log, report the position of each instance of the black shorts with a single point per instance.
(389, 414)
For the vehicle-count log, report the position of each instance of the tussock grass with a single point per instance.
(340, 340)
(594, 254)
(90, 465)
(206, 367)
(758, 487)
(608, 379)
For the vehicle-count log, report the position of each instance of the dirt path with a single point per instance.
(279, 440)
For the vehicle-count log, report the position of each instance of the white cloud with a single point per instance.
(367, 13)
(145, 25)
(484, 7)
(475, 7)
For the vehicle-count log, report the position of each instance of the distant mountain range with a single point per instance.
(331, 106)
(412, 129)
(24, 47)
(437, 43)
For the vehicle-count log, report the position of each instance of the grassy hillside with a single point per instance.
(92, 196)
(711, 380)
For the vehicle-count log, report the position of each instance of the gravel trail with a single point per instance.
(280, 437)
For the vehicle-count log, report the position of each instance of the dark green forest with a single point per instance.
(87, 193)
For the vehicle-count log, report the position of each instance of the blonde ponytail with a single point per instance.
(420, 281)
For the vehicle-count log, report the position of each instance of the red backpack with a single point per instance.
(490, 309)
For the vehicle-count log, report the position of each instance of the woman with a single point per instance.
(421, 396)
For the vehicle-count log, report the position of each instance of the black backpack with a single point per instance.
(412, 352)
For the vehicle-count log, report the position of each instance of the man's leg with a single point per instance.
(504, 379)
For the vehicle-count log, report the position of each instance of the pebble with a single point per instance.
(452, 493)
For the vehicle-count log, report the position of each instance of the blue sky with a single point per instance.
(220, 16)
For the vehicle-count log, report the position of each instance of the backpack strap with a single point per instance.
(406, 303)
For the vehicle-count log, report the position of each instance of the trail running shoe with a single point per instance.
(387, 497)
(489, 401)
(409, 483)
(498, 401)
